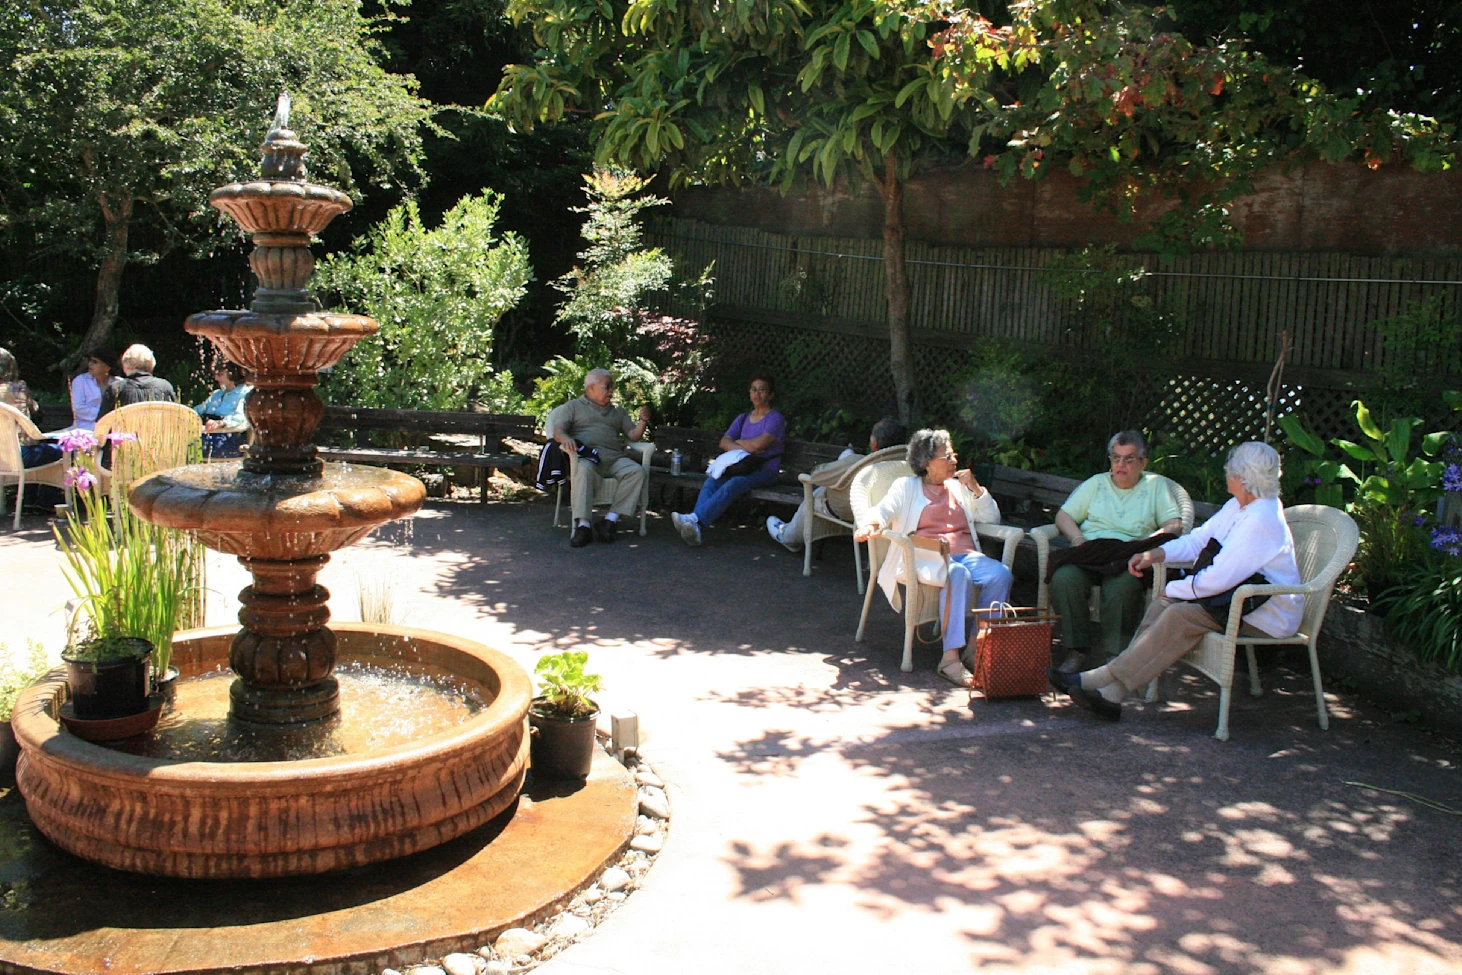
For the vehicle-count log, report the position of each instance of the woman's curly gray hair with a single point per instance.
(924, 446)
(1256, 465)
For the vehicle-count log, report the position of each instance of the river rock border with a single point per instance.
(522, 949)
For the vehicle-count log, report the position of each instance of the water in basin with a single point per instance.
(381, 707)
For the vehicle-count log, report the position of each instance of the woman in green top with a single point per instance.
(1125, 504)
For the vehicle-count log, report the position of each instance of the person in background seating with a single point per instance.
(224, 424)
(1126, 504)
(1247, 542)
(596, 428)
(15, 393)
(140, 385)
(759, 432)
(942, 502)
(887, 432)
(87, 389)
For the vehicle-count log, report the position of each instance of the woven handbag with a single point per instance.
(1015, 652)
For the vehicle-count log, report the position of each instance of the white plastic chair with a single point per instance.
(14, 425)
(1325, 539)
(605, 492)
(817, 525)
(921, 600)
(1044, 535)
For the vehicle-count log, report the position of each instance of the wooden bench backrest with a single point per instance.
(1019, 485)
(495, 425)
(798, 456)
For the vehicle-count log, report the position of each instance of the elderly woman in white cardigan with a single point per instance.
(1248, 537)
(941, 501)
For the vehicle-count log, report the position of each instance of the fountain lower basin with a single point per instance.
(273, 819)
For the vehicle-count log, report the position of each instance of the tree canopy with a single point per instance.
(777, 91)
(115, 106)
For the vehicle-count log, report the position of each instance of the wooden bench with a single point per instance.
(489, 428)
(1030, 498)
(700, 446)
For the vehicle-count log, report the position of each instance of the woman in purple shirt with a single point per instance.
(759, 433)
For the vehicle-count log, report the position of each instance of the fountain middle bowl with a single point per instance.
(273, 516)
(272, 819)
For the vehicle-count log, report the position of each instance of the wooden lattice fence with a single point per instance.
(813, 307)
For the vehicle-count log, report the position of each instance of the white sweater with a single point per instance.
(1255, 538)
(899, 511)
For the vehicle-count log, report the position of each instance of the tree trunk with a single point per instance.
(118, 217)
(896, 279)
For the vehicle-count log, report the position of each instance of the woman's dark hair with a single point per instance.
(761, 377)
(234, 370)
(9, 370)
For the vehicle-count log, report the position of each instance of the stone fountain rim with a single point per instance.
(282, 188)
(36, 729)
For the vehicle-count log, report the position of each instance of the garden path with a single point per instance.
(834, 814)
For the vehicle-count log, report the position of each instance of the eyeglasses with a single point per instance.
(1119, 460)
(606, 383)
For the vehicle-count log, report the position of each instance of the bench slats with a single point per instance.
(382, 455)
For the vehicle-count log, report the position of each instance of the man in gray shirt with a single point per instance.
(594, 421)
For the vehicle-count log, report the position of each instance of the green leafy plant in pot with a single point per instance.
(563, 717)
(134, 582)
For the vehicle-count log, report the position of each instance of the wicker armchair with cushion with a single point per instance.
(817, 525)
(1324, 540)
(921, 601)
(168, 436)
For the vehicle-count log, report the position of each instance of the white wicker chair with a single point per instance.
(817, 525)
(14, 425)
(1044, 535)
(1324, 540)
(167, 433)
(605, 492)
(921, 601)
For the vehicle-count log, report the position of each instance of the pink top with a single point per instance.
(943, 518)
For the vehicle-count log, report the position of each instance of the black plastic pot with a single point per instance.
(562, 748)
(111, 688)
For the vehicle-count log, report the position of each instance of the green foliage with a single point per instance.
(1201, 474)
(112, 107)
(1423, 347)
(1424, 608)
(999, 398)
(564, 686)
(17, 673)
(1319, 472)
(437, 294)
(132, 578)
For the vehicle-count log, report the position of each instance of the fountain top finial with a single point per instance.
(284, 154)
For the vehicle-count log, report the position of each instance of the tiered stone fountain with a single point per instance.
(282, 511)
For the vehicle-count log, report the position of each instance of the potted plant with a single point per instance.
(563, 717)
(133, 579)
(108, 676)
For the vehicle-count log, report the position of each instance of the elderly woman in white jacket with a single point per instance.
(941, 501)
(1252, 538)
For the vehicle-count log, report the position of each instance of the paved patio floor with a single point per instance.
(834, 814)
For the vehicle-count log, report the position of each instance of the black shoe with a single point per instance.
(1096, 704)
(604, 530)
(583, 535)
(1062, 683)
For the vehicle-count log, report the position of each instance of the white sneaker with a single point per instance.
(689, 528)
(776, 528)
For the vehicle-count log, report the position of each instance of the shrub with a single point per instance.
(437, 294)
(19, 672)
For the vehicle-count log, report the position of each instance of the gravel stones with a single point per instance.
(459, 963)
(648, 843)
(653, 802)
(568, 927)
(518, 941)
(614, 879)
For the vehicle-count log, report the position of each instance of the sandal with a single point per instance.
(954, 672)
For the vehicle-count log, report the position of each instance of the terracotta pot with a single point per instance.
(110, 688)
(563, 747)
(9, 751)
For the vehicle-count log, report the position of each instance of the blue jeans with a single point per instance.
(965, 572)
(39, 455)
(716, 495)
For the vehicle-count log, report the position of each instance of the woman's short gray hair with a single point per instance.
(1256, 465)
(138, 357)
(1128, 438)
(924, 446)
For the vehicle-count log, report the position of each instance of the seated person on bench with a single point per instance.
(1126, 504)
(593, 421)
(887, 432)
(760, 434)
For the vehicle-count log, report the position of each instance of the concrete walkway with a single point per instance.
(834, 814)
